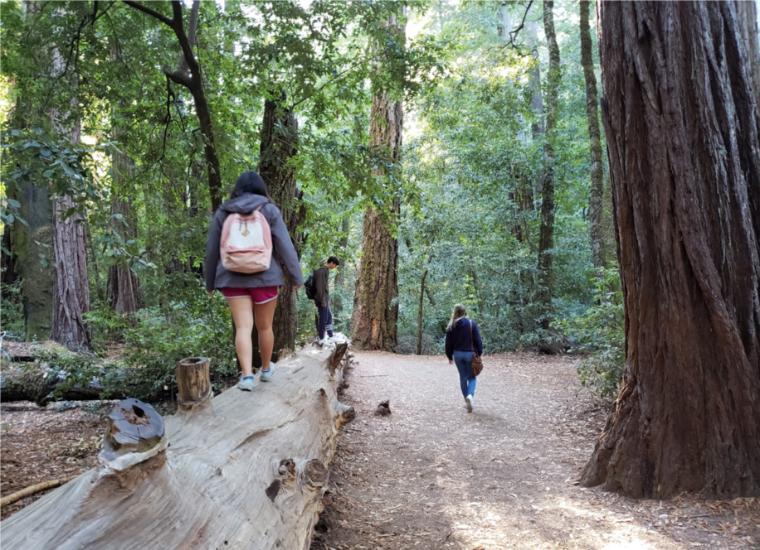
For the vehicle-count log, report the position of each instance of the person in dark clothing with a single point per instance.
(462, 344)
(322, 299)
(252, 297)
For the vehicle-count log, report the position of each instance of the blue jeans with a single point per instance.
(324, 321)
(463, 361)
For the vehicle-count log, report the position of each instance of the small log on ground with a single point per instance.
(246, 471)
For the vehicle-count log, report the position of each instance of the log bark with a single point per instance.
(546, 231)
(230, 475)
(596, 189)
(684, 151)
(375, 315)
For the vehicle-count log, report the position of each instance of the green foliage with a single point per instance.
(599, 332)
(189, 324)
(11, 311)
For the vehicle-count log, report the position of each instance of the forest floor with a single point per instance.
(432, 476)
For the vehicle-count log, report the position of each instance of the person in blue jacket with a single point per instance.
(462, 344)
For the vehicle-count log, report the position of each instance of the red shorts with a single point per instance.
(260, 295)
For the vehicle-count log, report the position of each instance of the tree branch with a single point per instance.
(153, 13)
(514, 32)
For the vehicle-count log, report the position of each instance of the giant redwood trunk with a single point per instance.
(373, 325)
(684, 152)
(72, 293)
(546, 230)
(279, 139)
(71, 296)
(596, 190)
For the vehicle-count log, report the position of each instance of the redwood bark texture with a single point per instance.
(596, 190)
(682, 130)
(546, 231)
(375, 315)
(72, 293)
(279, 141)
(373, 325)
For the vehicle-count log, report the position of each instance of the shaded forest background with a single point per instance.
(105, 130)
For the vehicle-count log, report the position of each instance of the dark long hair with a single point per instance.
(249, 182)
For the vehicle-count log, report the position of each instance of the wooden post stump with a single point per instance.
(193, 382)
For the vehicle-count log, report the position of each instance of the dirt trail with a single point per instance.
(431, 475)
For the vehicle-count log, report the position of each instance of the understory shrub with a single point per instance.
(599, 332)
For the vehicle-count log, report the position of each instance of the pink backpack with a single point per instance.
(246, 243)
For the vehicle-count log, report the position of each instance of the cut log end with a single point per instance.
(133, 427)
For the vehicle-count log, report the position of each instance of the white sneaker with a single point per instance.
(468, 403)
(321, 342)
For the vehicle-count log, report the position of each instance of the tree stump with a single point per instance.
(247, 471)
(193, 382)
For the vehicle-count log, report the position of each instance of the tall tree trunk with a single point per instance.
(122, 285)
(71, 290)
(32, 245)
(682, 131)
(279, 139)
(373, 325)
(546, 231)
(421, 312)
(596, 191)
(72, 293)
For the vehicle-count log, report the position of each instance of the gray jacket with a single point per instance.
(284, 257)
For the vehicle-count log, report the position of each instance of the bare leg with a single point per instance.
(242, 316)
(264, 314)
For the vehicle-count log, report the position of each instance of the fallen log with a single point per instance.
(44, 383)
(243, 470)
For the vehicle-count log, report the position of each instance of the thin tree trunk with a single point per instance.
(375, 303)
(596, 190)
(279, 140)
(682, 130)
(189, 75)
(546, 231)
(340, 277)
(122, 285)
(421, 312)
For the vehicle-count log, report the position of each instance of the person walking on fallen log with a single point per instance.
(321, 291)
(463, 343)
(248, 253)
